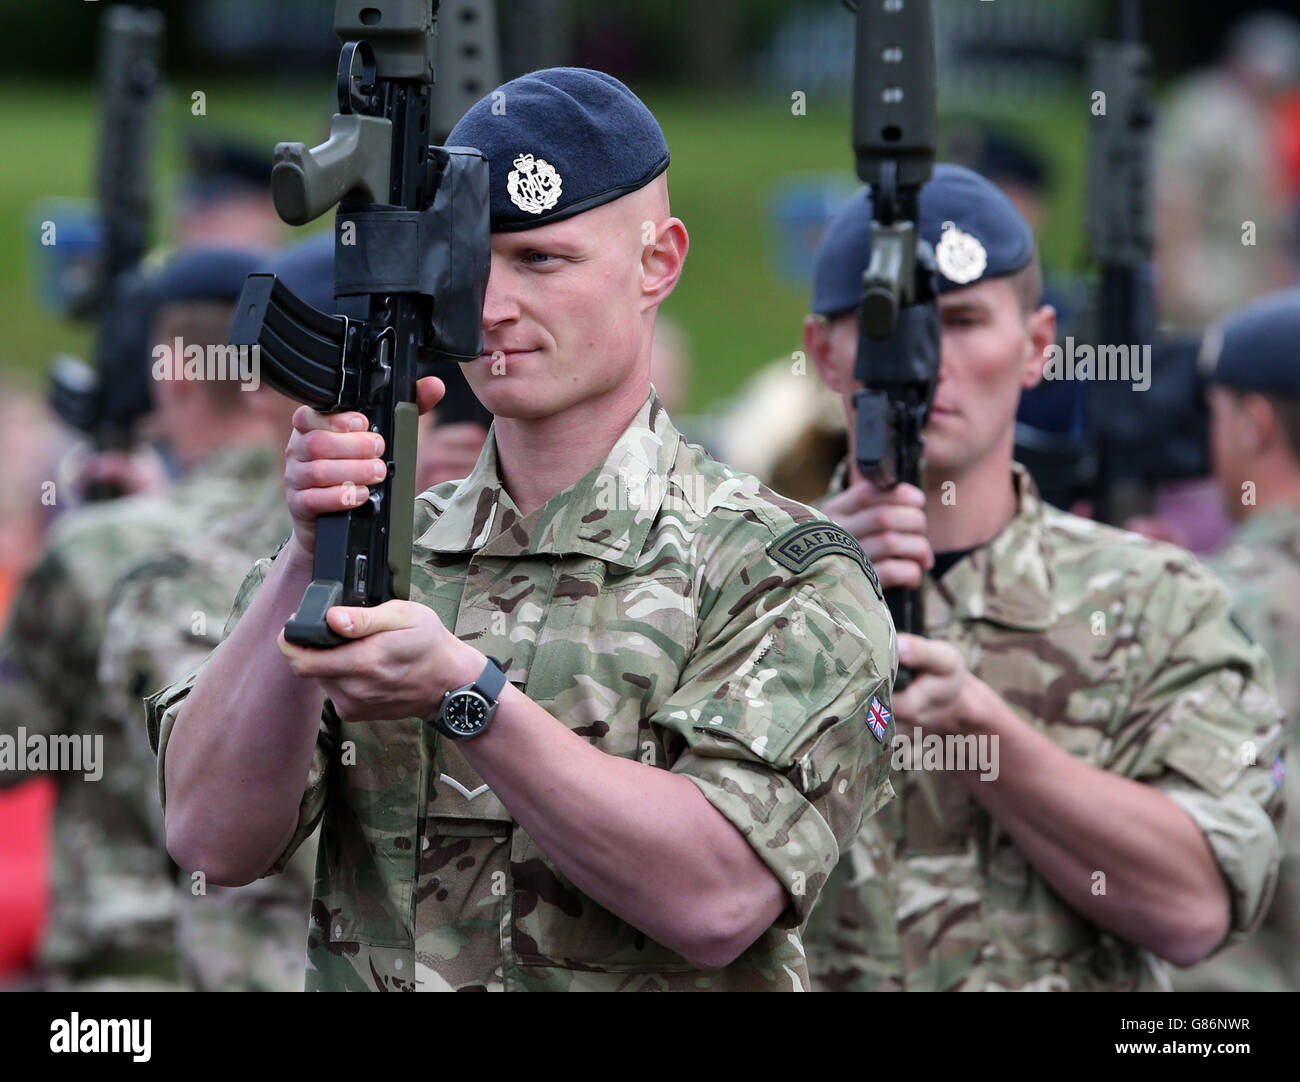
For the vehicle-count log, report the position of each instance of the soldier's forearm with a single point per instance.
(241, 749)
(1119, 852)
(641, 841)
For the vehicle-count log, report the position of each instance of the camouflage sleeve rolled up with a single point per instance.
(49, 654)
(774, 715)
(163, 708)
(1205, 728)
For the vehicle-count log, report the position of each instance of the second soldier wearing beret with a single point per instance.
(1076, 809)
(112, 922)
(635, 709)
(1253, 369)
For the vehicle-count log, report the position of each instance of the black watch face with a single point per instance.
(466, 713)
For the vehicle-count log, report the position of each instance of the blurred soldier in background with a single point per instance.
(113, 898)
(1255, 444)
(225, 203)
(166, 615)
(26, 445)
(227, 197)
(1075, 804)
(786, 427)
(1224, 230)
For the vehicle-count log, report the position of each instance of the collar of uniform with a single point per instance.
(1273, 527)
(1009, 581)
(607, 514)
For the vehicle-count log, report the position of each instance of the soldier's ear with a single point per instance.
(817, 344)
(1040, 325)
(662, 259)
(1261, 430)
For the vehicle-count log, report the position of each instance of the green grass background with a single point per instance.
(730, 156)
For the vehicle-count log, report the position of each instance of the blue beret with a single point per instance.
(560, 141)
(976, 231)
(220, 167)
(206, 274)
(307, 268)
(1259, 346)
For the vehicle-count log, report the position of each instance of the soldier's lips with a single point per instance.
(493, 355)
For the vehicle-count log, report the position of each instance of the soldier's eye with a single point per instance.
(538, 258)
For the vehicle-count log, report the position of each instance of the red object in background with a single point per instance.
(25, 814)
(1286, 137)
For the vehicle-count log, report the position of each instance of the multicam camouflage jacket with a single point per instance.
(1123, 652)
(665, 608)
(166, 615)
(112, 892)
(1261, 567)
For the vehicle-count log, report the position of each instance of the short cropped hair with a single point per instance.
(1028, 284)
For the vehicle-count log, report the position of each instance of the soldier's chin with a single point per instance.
(943, 457)
(516, 400)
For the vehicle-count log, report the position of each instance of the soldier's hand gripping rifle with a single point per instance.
(411, 259)
(898, 322)
(105, 402)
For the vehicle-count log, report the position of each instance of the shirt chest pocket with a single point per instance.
(609, 652)
(1068, 682)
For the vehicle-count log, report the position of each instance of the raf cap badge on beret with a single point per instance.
(960, 257)
(533, 184)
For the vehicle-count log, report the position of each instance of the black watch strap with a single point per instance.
(492, 681)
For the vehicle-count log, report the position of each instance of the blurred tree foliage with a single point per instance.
(701, 42)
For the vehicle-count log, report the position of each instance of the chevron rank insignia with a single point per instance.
(799, 548)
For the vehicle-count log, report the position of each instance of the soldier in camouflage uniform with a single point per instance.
(694, 724)
(1255, 440)
(113, 897)
(166, 615)
(1225, 228)
(1125, 729)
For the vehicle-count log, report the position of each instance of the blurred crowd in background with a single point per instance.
(1226, 151)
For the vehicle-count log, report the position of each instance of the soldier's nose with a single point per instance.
(499, 304)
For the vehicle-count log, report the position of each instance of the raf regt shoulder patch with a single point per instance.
(800, 548)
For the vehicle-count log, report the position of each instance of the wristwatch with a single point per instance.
(467, 712)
